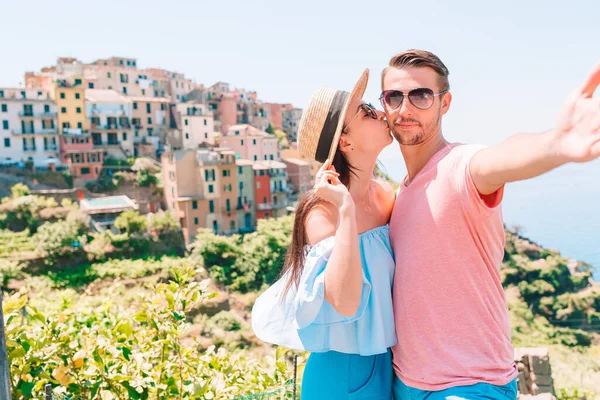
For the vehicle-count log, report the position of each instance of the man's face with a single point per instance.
(409, 124)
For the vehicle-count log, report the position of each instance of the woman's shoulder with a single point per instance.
(320, 222)
(386, 193)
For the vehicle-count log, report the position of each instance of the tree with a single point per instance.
(270, 129)
(131, 222)
(19, 190)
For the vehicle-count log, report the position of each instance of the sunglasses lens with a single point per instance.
(421, 98)
(393, 98)
(369, 110)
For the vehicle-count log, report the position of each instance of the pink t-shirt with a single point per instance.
(450, 312)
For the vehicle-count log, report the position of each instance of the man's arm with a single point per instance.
(575, 139)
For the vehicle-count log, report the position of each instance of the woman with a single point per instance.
(334, 297)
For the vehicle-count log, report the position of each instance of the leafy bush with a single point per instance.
(96, 347)
(225, 320)
(131, 222)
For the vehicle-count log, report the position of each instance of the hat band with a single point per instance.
(330, 126)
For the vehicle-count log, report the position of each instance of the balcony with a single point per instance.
(110, 127)
(244, 206)
(29, 149)
(51, 147)
(29, 131)
(264, 206)
(28, 114)
(282, 204)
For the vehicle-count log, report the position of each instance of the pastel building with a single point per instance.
(110, 122)
(150, 122)
(250, 143)
(245, 200)
(28, 127)
(270, 179)
(194, 184)
(299, 175)
(197, 125)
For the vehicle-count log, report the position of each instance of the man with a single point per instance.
(447, 232)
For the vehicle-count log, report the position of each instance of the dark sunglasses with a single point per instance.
(368, 109)
(422, 98)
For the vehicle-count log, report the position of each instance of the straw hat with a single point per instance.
(322, 121)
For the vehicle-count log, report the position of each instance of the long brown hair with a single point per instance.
(294, 259)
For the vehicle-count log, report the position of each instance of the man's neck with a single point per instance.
(416, 156)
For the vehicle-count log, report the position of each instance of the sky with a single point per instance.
(511, 63)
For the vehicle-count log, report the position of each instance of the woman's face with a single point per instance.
(365, 129)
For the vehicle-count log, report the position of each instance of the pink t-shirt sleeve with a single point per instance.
(463, 182)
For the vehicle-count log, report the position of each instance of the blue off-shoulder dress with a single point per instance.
(350, 356)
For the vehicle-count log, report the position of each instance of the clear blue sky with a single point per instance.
(511, 63)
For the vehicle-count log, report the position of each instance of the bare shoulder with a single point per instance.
(321, 222)
(386, 194)
(385, 190)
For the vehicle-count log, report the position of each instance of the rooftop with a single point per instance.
(105, 96)
(108, 204)
(268, 165)
(296, 161)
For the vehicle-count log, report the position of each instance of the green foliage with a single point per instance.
(98, 347)
(248, 262)
(225, 320)
(270, 129)
(59, 239)
(19, 190)
(131, 222)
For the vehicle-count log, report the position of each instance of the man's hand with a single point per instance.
(578, 129)
(576, 138)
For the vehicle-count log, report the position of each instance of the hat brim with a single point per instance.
(357, 93)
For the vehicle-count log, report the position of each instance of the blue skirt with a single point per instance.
(338, 376)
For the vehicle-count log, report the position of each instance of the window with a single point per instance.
(232, 225)
(211, 189)
(124, 136)
(162, 106)
(124, 90)
(108, 75)
(4, 108)
(6, 142)
(241, 185)
(149, 120)
(240, 171)
(46, 108)
(242, 142)
(134, 105)
(63, 110)
(148, 108)
(62, 95)
(254, 141)
(255, 158)
(271, 157)
(78, 110)
(91, 85)
(206, 135)
(156, 93)
(79, 125)
(85, 170)
(265, 157)
(204, 121)
(78, 81)
(77, 96)
(5, 125)
(211, 206)
(237, 132)
(265, 201)
(195, 220)
(215, 226)
(258, 185)
(194, 205)
(143, 92)
(228, 205)
(187, 135)
(185, 122)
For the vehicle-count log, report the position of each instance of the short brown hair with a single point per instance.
(420, 58)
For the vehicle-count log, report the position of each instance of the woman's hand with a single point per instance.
(329, 188)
